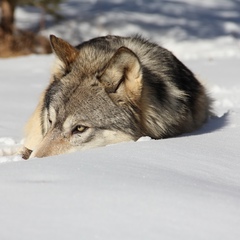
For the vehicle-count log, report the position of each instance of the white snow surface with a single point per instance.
(181, 188)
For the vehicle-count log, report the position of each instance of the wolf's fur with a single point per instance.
(112, 89)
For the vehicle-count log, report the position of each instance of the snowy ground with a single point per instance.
(181, 188)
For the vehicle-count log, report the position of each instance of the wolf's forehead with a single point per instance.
(82, 104)
(76, 96)
(61, 92)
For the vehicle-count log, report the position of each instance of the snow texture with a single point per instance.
(186, 187)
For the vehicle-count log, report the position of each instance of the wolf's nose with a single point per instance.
(25, 152)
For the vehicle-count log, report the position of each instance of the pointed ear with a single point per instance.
(63, 50)
(123, 75)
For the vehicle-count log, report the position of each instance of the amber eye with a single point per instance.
(79, 129)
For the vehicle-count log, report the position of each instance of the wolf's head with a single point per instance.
(92, 100)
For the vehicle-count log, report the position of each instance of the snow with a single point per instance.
(186, 187)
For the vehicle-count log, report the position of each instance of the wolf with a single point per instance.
(112, 89)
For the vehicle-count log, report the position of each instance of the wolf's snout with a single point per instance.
(52, 144)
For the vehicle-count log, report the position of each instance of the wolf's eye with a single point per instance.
(79, 129)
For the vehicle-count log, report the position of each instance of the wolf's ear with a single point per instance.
(63, 50)
(123, 75)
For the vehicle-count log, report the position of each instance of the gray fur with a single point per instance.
(122, 84)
